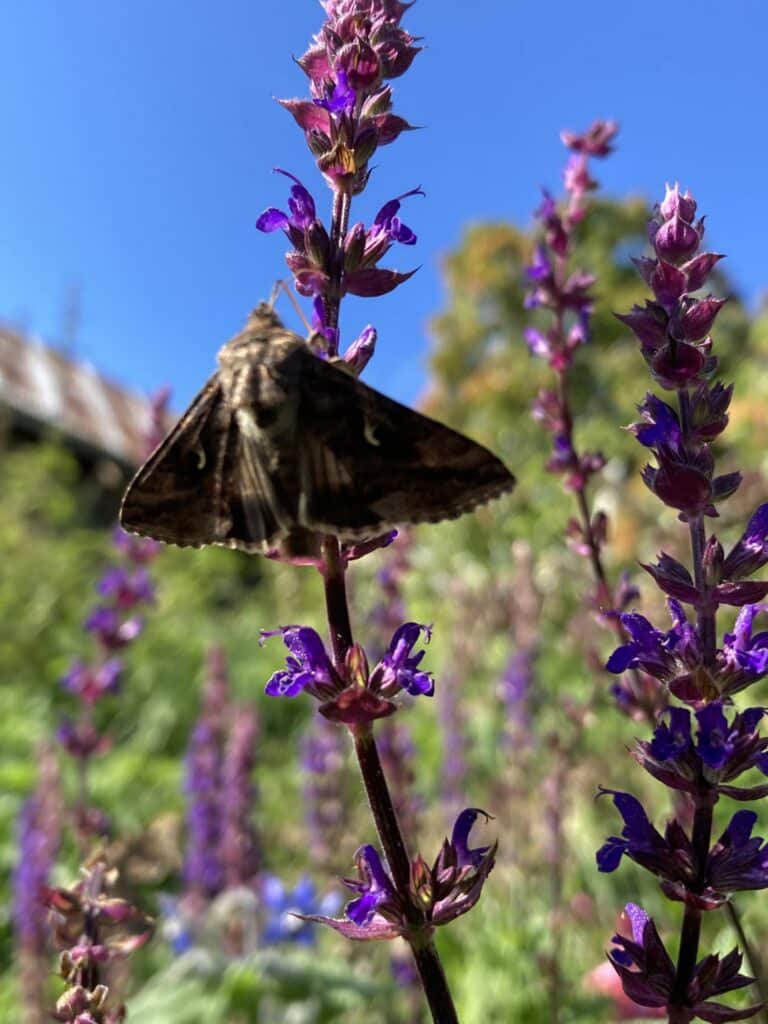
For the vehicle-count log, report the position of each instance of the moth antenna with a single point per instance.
(281, 285)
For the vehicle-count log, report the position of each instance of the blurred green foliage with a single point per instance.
(467, 578)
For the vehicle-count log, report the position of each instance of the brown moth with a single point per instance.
(281, 447)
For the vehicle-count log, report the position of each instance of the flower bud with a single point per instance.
(674, 204)
(675, 240)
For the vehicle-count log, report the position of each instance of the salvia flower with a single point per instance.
(347, 117)
(648, 974)
(675, 658)
(737, 861)
(436, 896)
(92, 682)
(673, 330)
(703, 762)
(357, 694)
(720, 752)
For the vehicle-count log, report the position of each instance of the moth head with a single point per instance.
(263, 318)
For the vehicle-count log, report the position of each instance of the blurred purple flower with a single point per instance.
(203, 870)
(239, 848)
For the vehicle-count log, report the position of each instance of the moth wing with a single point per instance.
(368, 463)
(176, 495)
(196, 489)
(259, 516)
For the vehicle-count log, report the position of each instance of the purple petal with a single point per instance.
(272, 220)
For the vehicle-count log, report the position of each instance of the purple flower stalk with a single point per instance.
(203, 868)
(38, 835)
(222, 850)
(239, 849)
(124, 588)
(701, 749)
(325, 785)
(346, 118)
(565, 293)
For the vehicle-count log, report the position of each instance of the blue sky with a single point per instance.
(138, 141)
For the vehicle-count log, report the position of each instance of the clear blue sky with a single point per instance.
(138, 140)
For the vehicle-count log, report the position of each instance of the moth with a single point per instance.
(282, 447)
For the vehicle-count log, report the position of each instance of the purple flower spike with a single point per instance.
(308, 666)
(398, 669)
(375, 886)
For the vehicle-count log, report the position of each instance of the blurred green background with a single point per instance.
(488, 582)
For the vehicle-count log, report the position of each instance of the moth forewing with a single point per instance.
(282, 446)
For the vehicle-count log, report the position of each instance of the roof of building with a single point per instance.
(47, 389)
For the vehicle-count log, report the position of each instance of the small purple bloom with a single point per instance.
(137, 550)
(398, 669)
(671, 741)
(743, 651)
(307, 665)
(541, 267)
(341, 99)
(750, 553)
(537, 342)
(360, 352)
(125, 588)
(301, 207)
(645, 968)
(386, 223)
(649, 648)
(375, 886)
(737, 861)
(660, 426)
(715, 745)
(90, 683)
(460, 838)
(721, 753)
(639, 837)
(111, 630)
